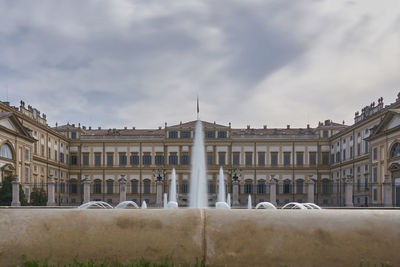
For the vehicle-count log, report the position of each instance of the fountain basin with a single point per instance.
(220, 237)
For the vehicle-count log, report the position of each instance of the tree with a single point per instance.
(38, 197)
(6, 193)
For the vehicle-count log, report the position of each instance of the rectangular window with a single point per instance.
(375, 174)
(173, 134)
(173, 159)
(147, 187)
(134, 187)
(35, 148)
(134, 160)
(274, 158)
(110, 159)
(286, 188)
(27, 154)
(73, 188)
(74, 160)
(184, 188)
(185, 135)
(249, 158)
(85, 159)
(375, 194)
(110, 187)
(62, 187)
(333, 158)
(344, 154)
(358, 185)
(185, 160)
(325, 134)
(97, 159)
(27, 175)
(375, 154)
(313, 158)
(222, 134)
(325, 188)
(299, 158)
(221, 158)
(210, 134)
(261, 158)
(358, 149)
(299, 188)
(365, 183)
(146, 158)
(159, 159)
(55, 155)
(248, 188)
(209, 158)
(286, 158)
(351, 152)
(42, 150)
(49, 154)
(236, 158)
(261, 188)
(337, 157)
(325, 158)
(122, 159)
(211, 188)
(73, 135)
(366, 148)
(61, 157)
(96, 188)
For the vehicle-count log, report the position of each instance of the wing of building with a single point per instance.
(330, 165)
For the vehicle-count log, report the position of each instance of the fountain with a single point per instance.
(249, 206)
(228, 200)
(265, 205)
(165, 202)
(172, 204)
(198, 181)
(127, 205)
(95, 205)
(144, 205)
(221, 204)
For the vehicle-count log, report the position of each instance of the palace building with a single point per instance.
(331, 165)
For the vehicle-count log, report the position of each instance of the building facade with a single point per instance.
(330, 165)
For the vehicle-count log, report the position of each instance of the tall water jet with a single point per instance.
(172, 204)
(198, 193)
(221, 186)
(249, 206)
(165, 200)
(228, 200)
(144, 205)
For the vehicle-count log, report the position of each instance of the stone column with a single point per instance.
(349, 192)
(235, 194)
(310, 191)
(122, 189)
(86, 189)
(15, 192)
(51, 191)
(159, 191)
(387, 189)
(272, 191)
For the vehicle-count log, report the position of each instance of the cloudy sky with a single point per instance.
(142, 62)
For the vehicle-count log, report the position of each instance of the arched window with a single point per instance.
(393, 154)
(6, 151)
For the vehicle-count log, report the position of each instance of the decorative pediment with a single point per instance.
(9, 122)
(390, 121)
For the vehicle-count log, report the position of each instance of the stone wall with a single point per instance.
(220, 237)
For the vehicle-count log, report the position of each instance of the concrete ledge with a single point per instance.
(220, 237)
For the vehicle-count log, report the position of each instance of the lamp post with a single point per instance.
(159, 175)
(235, 174)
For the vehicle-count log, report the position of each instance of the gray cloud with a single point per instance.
(117, 63)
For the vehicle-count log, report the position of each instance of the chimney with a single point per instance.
(248, 127)
(327, 122)
(99, 128)
(133, 127)
(73, 125)
(125, 128)
(308, 126)
(90, 127)
(159, 127)
(230, 124)
(56, 124)
(265, 127)
(84, 127)
(288, 126)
